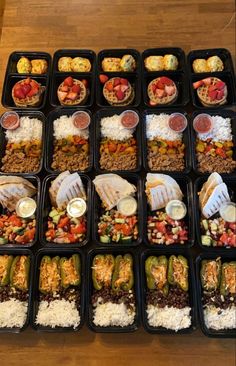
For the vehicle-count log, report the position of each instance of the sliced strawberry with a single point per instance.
(34, 84)
(120, 95)
(197, 84)
(160, 85)
(62, 95)
(211, 88)
(220, 94)
(116, 82)
(123, 88)
(65, 88)
(103, 78)
(207, 81)
(169, 90)
(33, 92)
(220, 85)
(154, 87)
(27, 81)
(117, 87)
(26, 88)
(166, 81)
(17, 86)
(212, 95)
(69, 81)
(85, 82)
(124, 81)
(152, 103)
(160, 93)
(72, 96)
(109, 86)
(76, 88)
(18, 93)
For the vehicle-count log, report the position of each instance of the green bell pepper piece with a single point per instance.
(70, 271)
(228, 278)
(6, 262)
(102, 270)
(178, 271)
(44, 285)
(156, 273)
(19, 274)
(210, 274)
(123, 277)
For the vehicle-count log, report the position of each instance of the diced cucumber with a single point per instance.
(205, 224)
(175, 230)
(105, 239)
(56, 219)
(119, 221)
(152, 224)
(53, 213)
(3, 241)
(213, 226)
(126, 239)
(206, 240)
(118, 237)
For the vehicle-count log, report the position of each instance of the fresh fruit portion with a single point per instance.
(211, 91)
(26, 88)
(162, 90)
(72, 91)
(117, 91)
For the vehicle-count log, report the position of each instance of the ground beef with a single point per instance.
(118, 162)
(209, 164)
(18, 162)
(69, 294)
(8, 292)
(107, 294)
(171, 162)
(76, 161)
(176, 297)
(216, 299)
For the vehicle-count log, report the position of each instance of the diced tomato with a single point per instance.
(63, 222)
(51, 233)
(220, 152)
(15, 221)
(71, 237)
(224, 238)
(78, 229)
(126, 229)
(208, 148)
(161, 227)
(1, 224)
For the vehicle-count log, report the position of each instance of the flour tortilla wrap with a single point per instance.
(208, 187)
(11, 193)
(55, 185)
(218, 197)
(71, 187)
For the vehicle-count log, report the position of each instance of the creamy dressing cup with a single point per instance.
(76, 207)
(127, 206)
(176, 209)
(26, 207)
(228, 211)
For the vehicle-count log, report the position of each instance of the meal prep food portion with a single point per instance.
(23, 152)
(218, 282)
(118, 221)
(14, 290)
(71, 145)
(76, 64)
(35, 66)
(66, 223)
(212, 64)
(117, 91)
(217, 231)
(211, 91)
(161, 63)
(113, 296)
(27, 93)
(125, 64)
(118, 144)
(214, 144)
(17, 222)
(166, 221)
(167, 295)
(72, 92)
(162, 90)
(59, 292)
(165, 147)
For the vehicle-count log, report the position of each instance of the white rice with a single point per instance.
(29, 129)
(13, 313)
(217, 319)
(61, 313)
(112, 128)
(64, 127)
(221, 130)
(110, 314)
(157, 126)
(169, 317)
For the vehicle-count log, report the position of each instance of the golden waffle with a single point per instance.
(33, 101)
(165, 100)
(81, 98)
(202, 93)
(128, 101)
(111, 97)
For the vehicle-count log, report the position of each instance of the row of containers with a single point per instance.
(190, 140)
(183, 71)
(52, 227)
(191, 299)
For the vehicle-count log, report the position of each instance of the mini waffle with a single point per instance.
(82, 97)
(33, 101)
(168, 99)
(111, 97)
(204, 98)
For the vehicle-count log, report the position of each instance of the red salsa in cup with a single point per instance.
(10, 120)
(177, 122)
(129, 119)
(202, 123)
(81, 119)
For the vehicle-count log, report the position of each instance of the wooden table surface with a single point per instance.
(48, 25)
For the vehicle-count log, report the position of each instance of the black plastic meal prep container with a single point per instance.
(58, 76)
(62, 252)
(36, 182)
(178, 52)
(89, 308)
(118, 52)
(12, 76)
(230, 181)
(46, 207)
(133, 179)
(223, 333)
(192, 291)
(186, 140)
(222, 53)
(181, 81)
(185, 184)
(222, 113)
(3, 141)
(15, 252)
(225, 76)
(109, 112)
(52, 116)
